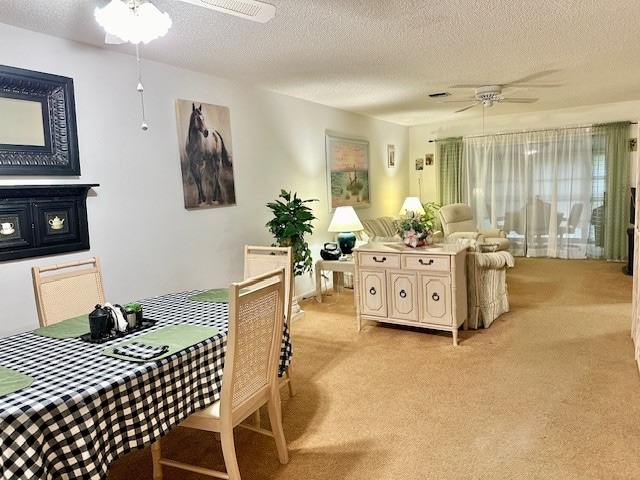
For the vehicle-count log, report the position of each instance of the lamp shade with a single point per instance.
(412, 204)
(346, 221)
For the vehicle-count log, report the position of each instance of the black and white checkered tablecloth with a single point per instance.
(84, 409)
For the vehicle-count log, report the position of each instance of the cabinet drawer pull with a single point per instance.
(430, 262)
(403, 294)
(384, 259)
(435, 297)
(372, 291)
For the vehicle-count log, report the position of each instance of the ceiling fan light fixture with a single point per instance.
(247, 9)
(133, 21)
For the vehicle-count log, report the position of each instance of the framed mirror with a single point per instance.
(38, 133)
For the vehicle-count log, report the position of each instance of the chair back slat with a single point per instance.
(67, 290)
(256, 317)
(259, 260)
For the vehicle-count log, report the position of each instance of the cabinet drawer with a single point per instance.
(380, 260)
(428, 263)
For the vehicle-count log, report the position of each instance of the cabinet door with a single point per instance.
(402, 296)
(435, 295)
(373, 293)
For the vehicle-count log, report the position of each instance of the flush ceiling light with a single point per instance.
(133, 21)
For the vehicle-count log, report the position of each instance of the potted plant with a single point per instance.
(291, 221)
(430, 217)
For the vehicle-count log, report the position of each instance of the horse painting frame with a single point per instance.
(347, 172)
(206, 154)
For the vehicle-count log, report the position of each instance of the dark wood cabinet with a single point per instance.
(38, 220)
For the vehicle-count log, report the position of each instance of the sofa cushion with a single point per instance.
(376, 229)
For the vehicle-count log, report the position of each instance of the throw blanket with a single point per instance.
(494, 259)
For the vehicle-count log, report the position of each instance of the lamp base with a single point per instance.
(346, 240)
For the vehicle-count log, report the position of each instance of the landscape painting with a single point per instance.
(347, 171)
(206, 157)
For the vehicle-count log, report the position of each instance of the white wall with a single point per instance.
(472, 125)
(147, 242)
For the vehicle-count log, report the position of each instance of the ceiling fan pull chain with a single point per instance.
(144, 125)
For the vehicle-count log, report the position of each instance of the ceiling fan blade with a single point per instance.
(510, 92)
(530, 85)
(462, 86)
(470, 99)
(533, 76)
(517, 100)
(468, 107)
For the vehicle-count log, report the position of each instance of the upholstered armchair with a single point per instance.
(457, 222)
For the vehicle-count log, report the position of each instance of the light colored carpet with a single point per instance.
(549, 391)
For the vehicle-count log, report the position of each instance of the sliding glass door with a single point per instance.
(537, 186)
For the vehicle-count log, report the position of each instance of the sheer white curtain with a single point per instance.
(534, 185)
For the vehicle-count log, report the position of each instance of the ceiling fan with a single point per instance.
(488, 95)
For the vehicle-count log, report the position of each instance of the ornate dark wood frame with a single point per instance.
(30, 209)
(59, 155)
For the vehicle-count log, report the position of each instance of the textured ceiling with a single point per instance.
(382, 58)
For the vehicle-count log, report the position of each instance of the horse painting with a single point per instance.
(224, 188)
(208, 162)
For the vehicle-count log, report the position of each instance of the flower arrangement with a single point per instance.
(417, 230)
(414, 231)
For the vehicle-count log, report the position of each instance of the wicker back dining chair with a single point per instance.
(67, 290)
(250, 376)
(258, 260)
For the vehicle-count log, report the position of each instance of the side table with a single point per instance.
(338, 268)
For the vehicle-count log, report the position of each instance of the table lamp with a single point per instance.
(412, 204)
(345, 221)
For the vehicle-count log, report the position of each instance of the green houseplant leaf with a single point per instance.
(291, 221)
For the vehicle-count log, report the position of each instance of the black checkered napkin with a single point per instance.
(140, 351)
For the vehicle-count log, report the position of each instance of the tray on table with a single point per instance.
(113, 334)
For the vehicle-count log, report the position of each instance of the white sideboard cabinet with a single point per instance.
(420, 287)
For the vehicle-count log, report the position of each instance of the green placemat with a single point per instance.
(177, 337)
(213, 295)
(12, 381)
(70, 328)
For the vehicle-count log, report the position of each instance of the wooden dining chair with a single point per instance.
(67, 290)
(250, 376)
(258, 260)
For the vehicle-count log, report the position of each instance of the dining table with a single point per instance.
(84, 409)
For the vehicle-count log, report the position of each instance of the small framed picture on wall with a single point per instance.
(428, 159)
(391, 156)
(420, 163)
